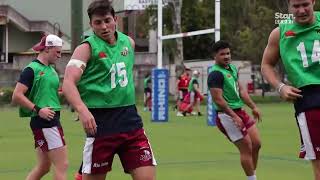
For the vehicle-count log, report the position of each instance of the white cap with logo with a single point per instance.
(50, 40)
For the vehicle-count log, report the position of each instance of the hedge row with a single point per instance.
(5, 95)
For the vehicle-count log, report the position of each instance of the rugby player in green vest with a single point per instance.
(195, 93)
(229, 98)
(98, 83)
(298, 45)
(37, 95)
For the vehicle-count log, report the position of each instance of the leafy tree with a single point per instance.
(246, 24)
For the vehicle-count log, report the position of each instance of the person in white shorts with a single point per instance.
(229, 97)
(37, 94)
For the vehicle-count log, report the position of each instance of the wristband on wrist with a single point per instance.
(36, 109)
(280, 86)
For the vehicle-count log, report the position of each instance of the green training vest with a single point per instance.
(190, 86)
(300, 52)
(44, 91)
(230, 86)
(107, 81)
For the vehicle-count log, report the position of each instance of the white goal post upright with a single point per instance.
(215, 30)
(159, 40)
(217, 20)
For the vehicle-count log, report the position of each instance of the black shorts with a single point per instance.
(310, 99)
(38, 123)
(116, 120)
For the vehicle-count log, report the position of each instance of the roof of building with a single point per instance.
(9, 14)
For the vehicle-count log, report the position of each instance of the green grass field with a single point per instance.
(185, 148)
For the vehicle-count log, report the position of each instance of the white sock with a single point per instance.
(253, 177)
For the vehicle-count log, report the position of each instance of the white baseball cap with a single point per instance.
(50, 40)
(195, 72)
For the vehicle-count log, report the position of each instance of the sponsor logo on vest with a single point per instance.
(228, 75)
(125, 51)
(146, 156)
(97, 165)
(289, 33)
(102, 55)
(318, 31)
(41, 73)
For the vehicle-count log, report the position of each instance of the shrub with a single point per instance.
(5, 95)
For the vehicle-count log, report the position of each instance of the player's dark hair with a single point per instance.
(101, 8)
(220, 45)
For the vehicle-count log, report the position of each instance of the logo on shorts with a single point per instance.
(40, 142)
(97, 165)
(318, 149)
(146, 156)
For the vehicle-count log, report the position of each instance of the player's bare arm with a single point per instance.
(18, 97)
(270, 58)
(217, 97)
(248, 101)
(73, 72)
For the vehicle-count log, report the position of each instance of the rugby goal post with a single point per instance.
(160, 37)
(160, 76)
